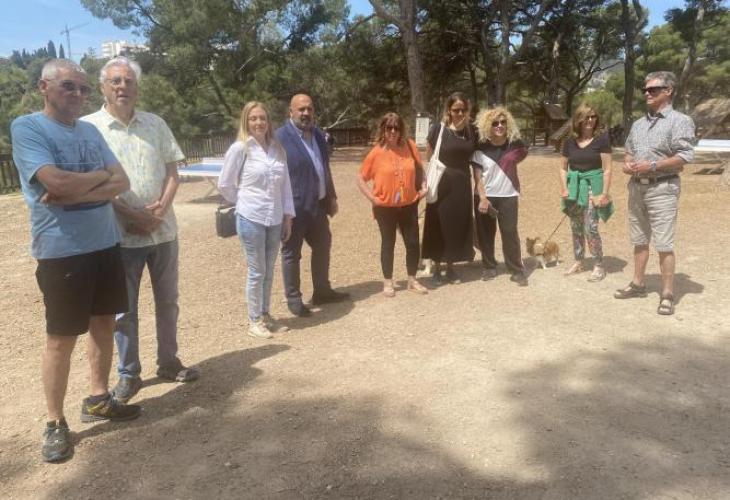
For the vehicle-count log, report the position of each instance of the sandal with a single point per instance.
(599, 272)
(575, 269)
(388, 291)
(415, 287)
(630, 292)
(666, 305)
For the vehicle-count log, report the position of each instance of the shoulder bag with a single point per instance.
(434, 171)
(225, 214)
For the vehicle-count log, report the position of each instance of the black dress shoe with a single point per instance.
(519, 278)
(328, 297)
(300, 310)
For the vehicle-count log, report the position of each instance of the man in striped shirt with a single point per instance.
(657, 147)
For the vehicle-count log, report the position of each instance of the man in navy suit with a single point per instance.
(314, 200)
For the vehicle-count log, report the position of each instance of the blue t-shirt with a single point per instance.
(61, 231)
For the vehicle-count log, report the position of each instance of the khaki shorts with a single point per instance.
(653, 213)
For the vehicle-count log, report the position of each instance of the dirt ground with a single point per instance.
(477, 390)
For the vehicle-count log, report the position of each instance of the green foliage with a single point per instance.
(607, 105)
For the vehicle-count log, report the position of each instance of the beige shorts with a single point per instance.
(653, 213)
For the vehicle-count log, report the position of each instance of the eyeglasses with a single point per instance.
(117, 81)
(497, 123)
(392, 128)
(653, 90)
(460, 111)
(72, 88)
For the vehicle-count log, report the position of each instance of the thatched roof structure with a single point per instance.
(712, 118)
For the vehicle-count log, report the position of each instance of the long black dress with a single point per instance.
(447, 231)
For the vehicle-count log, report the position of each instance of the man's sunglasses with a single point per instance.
(72, 88)
(653, 90)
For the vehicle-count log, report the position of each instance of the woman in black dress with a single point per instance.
(447, 232)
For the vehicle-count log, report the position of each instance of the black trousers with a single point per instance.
(316, 232)
(403, 218)
(487, 231)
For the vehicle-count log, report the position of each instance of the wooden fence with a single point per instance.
(9, 180)
(206, 146)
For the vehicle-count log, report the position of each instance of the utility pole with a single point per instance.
(67, 32)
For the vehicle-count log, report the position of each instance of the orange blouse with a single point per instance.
(393, 172)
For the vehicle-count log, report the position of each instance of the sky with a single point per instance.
(30, 24)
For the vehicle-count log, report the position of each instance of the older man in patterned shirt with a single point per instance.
(150, 155)
(657, 147)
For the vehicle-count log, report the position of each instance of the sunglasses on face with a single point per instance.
(459, 111)
(72, 88)
(497, 123)
(653, 90)
(392, 128)
(117, 81)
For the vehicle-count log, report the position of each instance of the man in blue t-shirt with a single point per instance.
(68, 175)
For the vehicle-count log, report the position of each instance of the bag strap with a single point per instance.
(410, 150)
(437, 150)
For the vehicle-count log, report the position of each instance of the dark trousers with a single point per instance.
(316, 232)
(487, 230)
(403, 218)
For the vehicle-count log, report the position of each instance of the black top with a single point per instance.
(588, 157)
(456, 146)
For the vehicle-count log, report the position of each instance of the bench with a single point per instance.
(716, 147)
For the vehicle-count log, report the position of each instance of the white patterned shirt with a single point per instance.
(662, 135)
(257, 181)
(143, 147)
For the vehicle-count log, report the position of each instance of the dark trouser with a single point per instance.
(405, 219)
(316, 232)
(161, 261)
(487, 230)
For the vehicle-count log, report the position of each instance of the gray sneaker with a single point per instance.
(57, 445)
(257, 329)
(273, 325)
(126, 388)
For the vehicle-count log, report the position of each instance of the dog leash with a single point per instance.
(556, 227)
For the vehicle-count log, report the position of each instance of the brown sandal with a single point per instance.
(666, 305)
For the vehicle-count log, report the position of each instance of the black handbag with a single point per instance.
(225, 214)
(225, 220)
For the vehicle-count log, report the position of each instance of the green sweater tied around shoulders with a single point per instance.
(578, 189)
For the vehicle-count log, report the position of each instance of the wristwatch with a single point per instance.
(652, 166)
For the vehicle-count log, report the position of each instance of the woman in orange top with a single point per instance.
(391, 166)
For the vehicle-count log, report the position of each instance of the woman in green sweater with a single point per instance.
(585, 181)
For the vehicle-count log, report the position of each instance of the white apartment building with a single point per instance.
(114, 48)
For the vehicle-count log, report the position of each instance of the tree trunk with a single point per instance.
(554, 84)
(415, 70)
(405, 21)
(627, 25)
(681, 91)
(500, 84)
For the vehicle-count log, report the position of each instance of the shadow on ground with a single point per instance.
(646, 420)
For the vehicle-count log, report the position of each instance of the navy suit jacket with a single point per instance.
(303, 175)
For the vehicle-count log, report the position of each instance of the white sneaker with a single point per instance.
(272, 325)
(258, 330)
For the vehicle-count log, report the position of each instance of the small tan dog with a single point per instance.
(545, 253)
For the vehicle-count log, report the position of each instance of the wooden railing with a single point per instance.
(9, 179)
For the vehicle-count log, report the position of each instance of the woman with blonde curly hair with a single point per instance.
(391, 167)
(585, 181)
(498, 190)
